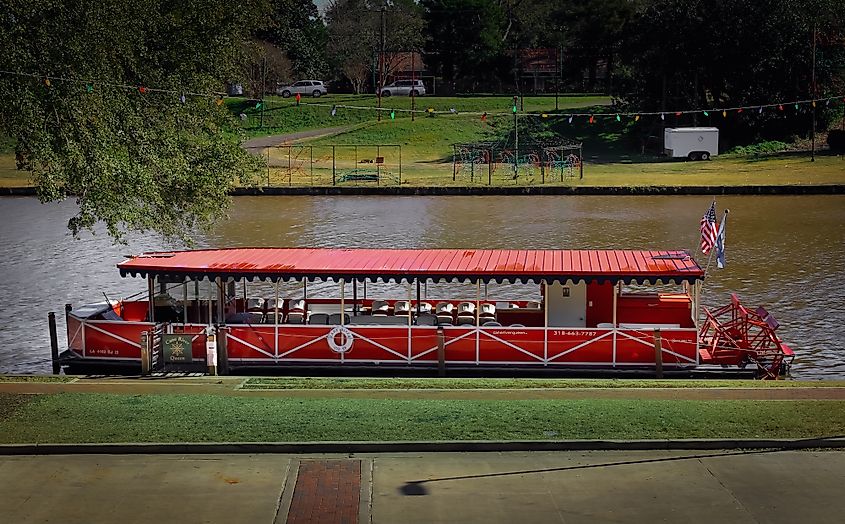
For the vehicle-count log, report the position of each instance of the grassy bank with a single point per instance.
(282, 115)
(263, 383)
(194, 418)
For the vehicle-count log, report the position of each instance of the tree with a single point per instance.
(720, 53)
(354, 28)
(466, 40)
(295, 27)
(265, 66)
(134, 159)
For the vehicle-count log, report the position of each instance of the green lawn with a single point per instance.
(284, 116)
(426, 158)
(259, 383)
(72, 418)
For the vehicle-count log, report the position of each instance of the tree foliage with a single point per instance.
(697, 54)
(354, 29)
(133, 160)
(295, 27)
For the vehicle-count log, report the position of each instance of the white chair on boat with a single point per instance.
(445, 313)
(297, 313)
(532, 305)
(255, 305)
(424, 308)
(466, 313)
(491, 323)
(270, 312)
(488, 312)
(380, 307)
(402, 308)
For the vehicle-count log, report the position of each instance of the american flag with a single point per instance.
(708, 228)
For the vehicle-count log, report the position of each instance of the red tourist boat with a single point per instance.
(224, 309)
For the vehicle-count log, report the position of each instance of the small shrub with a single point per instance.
(761, 148)
(836, 140)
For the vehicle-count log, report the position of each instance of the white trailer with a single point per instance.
(695, 143)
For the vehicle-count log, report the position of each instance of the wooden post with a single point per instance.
(151, 294)
(211, 352)
(441, 352)
(490, 167)
(222, 351)
(454, 162)
(615, 324)
(184, 302)
(342, 301)
(334, 178)
(581, 161)
(146, 336)
(54, 343)
(658, 354)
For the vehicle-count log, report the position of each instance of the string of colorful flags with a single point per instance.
(591, 117)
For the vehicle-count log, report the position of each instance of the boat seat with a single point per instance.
(426, 319)
(517, 325)
(380, 307)
(335, 319)
(255, 304)
(402, 308)
(296, 317)
(244, 318)
(318, 319)
(425, 308)
(487, 311)
(466, 313)
(297, 304)
(491, 323)
(444, 312)
(377, 320)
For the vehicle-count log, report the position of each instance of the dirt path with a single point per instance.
(256, 145)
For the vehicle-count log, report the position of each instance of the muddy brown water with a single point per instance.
(784, 252)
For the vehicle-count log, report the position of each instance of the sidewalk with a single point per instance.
(595, 487)
(231, 386)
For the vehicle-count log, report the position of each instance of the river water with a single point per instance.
(783, 252)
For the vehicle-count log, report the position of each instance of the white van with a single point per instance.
(403, 88)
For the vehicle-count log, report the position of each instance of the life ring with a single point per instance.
(345, 336)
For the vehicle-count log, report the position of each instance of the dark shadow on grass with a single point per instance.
(418, 487)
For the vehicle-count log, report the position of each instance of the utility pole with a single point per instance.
(381, 59)
(559, 74)
(413, 83)
(263, 88)
(515, 140)
(813, 103)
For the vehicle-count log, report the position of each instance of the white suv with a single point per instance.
(314, 88)
(404, 87)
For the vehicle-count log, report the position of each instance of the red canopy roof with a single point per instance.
(409, 264)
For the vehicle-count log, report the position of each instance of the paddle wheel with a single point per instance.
(735, 335)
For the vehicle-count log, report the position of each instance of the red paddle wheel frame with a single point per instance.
(735, 335)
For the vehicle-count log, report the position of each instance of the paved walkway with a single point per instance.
(572, 487)
(256, 145)
(231, 386)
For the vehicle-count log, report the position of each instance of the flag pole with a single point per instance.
(713, 249)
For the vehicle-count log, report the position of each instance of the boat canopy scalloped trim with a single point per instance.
(408, 265)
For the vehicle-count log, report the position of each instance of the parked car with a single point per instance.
(404, 88)
(315, 88)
